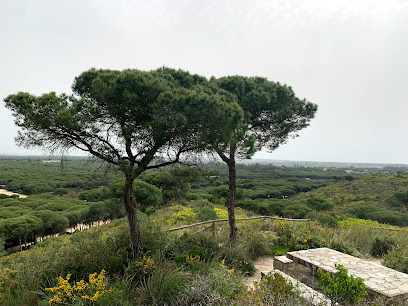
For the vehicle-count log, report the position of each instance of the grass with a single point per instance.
(215, 276)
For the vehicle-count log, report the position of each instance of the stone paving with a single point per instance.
(379, 280)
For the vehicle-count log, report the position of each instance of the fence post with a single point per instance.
(213, 229)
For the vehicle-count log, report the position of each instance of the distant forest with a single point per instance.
(65, 192)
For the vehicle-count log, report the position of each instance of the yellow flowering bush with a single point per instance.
(87, 292)
(221, 213)
(8, 283)
(138, 270)
(191, 260)
(186, 214)
(146, 265)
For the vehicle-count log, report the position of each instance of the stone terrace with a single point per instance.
(379, 280)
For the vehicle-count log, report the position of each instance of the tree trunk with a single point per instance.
(131, 212)
(232, 188)
(19, 240)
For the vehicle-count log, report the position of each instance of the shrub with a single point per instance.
(194, 255)
(381, 246)
(198, 244)
(82, 292)
(8, 285)
(237, 258)
(139, 269)
(187, 215)
(200, 292)
(340, 287)
(273, 289)
(205, 210)
(319, 204)
(162, 287)
(284, 232)
(221, 213)
(255, 241)
(307, 241)
(397, 260)
(324, 219)
(226, 282)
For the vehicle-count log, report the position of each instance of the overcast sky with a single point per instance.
(349, 57)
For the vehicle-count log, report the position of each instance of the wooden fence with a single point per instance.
(212, 226)
(385, 228)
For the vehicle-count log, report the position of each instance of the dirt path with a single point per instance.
(4, 191)
(262, 264)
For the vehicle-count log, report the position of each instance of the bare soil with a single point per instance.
(4, 191)
(262, 264)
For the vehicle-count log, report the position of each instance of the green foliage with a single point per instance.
(204, 210)
(220, 194)
(138, 270)
(187, 215)
(399, 200)
(36, 176)
(60, 191)
(96, 195)
(397, 260)
(146, 194)
(162, 287)
(342, 288)
(9, 285)
(381, 215)
(273, 289)
(226, 282)
(325, 219)
(52, 221)
(284, 233)
(319, 204)
(352, 222)
(381, 246)
(307, 241)
(221, 213)
(238, 259)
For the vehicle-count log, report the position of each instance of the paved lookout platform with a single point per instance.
(379, 280)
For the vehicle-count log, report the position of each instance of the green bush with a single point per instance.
(381, 246)
(162, 287)
(397, 260)
(342, 288)
(273, 289)
(237, 258)
(325, 219)
(226, 283)
(204, 210)
(200, 292)
(185, 243)
(307, 241)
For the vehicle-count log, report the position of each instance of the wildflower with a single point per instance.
(191, 260)
(56, 299)
(222, 265)
(231, 271)
(67, 294)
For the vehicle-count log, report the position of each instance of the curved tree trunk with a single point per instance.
(131, 212)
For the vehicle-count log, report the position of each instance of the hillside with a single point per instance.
(373, 189)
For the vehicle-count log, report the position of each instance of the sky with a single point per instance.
(348, 57)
